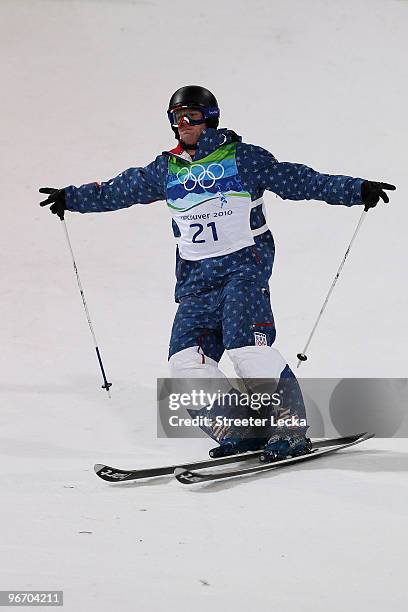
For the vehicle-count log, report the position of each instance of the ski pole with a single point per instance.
(302, 356)
(106, 384)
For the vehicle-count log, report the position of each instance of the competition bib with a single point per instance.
(208, 205)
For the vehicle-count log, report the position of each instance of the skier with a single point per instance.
(213, 184)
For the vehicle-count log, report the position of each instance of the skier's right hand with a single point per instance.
(57, 200)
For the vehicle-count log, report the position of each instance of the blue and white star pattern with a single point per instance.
(209, 289)
(226, 317)
(259, 171)
(253, 263)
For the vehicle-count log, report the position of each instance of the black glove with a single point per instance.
(371, 192)
(56, 199)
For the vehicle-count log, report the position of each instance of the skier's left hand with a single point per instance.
(372, 191)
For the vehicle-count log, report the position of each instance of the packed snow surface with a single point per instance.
(85, 86)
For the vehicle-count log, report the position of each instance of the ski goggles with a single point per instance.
(192, 115)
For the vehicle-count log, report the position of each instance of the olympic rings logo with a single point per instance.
(205, 177)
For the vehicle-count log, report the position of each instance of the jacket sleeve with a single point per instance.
(133, 186)
(260, 170)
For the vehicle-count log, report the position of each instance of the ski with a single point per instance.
(187, 476)
(112, 474)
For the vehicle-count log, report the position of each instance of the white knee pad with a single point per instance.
(192, 363)
(257, 362)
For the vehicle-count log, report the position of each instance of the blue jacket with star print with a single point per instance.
(258, 171)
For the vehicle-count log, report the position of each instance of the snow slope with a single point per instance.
(85, 87)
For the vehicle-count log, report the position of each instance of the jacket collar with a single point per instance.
(210, 140)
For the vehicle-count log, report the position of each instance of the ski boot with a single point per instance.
(234, 446)
(284, 446)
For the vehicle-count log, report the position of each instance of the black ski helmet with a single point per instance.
(194, 96)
